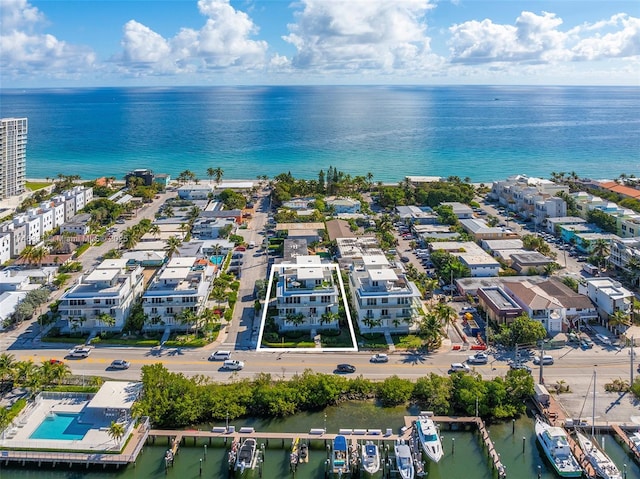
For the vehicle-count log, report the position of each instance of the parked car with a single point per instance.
(546, 360)
(524, 367)
(233, 365)
(79, 353)
(119, 364)
(55, 361)
(478, 358)
(379, 358)
(220, 356)
(586, 343)
(346, 368)
(604, 339)
(404, 259)
(459, 367)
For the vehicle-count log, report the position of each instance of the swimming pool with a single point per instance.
(216, 259)
(61, 426)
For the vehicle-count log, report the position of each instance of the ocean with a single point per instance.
(477, 132)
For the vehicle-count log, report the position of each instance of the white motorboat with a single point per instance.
(429, 438)
(404, 461)
(554, 442)
(602, 464)
(247, 455)
(370, 457)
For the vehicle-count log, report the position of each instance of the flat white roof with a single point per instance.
(375, 260)
(305, 259)
(116, 395)
(114, 263)
(102, 274)
(310, 273)
(182, 262)
(385, 274)
(175, 273)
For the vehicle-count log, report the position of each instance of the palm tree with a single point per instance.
(600, 251)
(168, 211)
(116, 431)
(445, 314)
(154, 229)
(211, 172)
(173, 244)
(24, 371)
(107, 320)
(7, 366)
(60, 372)
(218, 173)
(619, 318)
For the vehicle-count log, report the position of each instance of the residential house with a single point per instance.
(78, 225)
(479, 262)
(548, 208)
(553, 224)
(343, 205)
(482, 231)
(551, 302)
(528, 262)
(416, 215)
(339, 229)
(195, 192)
(608, 295)
(461, 210)
(624, 250)
(497, 305)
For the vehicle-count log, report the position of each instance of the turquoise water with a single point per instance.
(480, 132)
(61, 426)
(217, 260)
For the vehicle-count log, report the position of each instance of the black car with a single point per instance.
(346, 368)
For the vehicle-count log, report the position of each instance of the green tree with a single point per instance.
(8, 365)
(173, 243)
(394, 391)
(600, 252)
(523, 330)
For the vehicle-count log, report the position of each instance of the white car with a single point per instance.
(459, 367)
(379, 358)
(546, 360)
(233, 365)
(79, 353)
(604, 339)
(478, 358)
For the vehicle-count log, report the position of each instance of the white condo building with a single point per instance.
(307, 296)
(184, 283)
(383, 297)
(112, 288)
(13, 156)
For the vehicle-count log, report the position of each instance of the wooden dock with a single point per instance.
(578, 453)
(625, 439)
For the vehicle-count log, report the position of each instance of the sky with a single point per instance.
(86, 43)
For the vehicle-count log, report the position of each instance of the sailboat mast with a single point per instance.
(593, 412)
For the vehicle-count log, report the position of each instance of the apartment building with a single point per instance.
(384, 299)
(307, 294)
(13, 156)
(111, 289)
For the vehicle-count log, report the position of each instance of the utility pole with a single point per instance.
(541, 378)
(631, 365)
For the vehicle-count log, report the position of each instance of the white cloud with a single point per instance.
(621, 43)
(25, 52)
(539, 39)
(224, 41)
(379, 35)
(533, 38)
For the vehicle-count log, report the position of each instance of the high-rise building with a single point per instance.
(13, 156)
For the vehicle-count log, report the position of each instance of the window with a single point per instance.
(154, 310)
(312, 310)
(156, 300)
(169, 310)
(384, 312)
(96, 301)
(403, 300)
(312, 299)
(371, 301)
(385, 300)
(110, 301)
(325, 299)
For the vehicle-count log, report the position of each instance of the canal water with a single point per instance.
(465, 456)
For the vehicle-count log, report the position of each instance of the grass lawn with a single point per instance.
(407, 341)
(372, 341)
(36, 185)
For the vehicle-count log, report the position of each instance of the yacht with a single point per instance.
(556, 447)
(247, 455)
(339, 457)
(370, 457)
(429, 438)
(602, 464)
(635, 439)
(404, 461)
